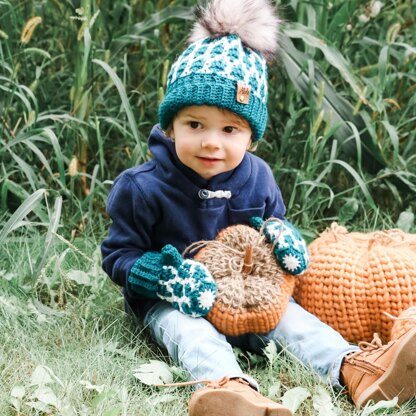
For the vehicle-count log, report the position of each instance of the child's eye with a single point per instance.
(194, 124)
(229, 129)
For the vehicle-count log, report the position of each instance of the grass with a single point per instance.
(80, 83)
(68, 347)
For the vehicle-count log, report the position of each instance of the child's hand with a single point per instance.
(186, 284)
(289, 247)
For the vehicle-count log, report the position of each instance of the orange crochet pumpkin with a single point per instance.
(253, 292)
(354, 278)
(403, 322)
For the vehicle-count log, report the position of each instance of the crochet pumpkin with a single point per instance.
(252, 290)
(402, 323)
(355, 280)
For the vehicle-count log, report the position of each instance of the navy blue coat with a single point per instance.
(159, 202)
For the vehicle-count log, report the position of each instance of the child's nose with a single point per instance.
(210, 140)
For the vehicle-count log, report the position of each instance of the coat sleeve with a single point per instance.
(130, 233)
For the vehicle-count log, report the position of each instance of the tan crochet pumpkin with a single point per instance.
(354, 278)
(253, 292)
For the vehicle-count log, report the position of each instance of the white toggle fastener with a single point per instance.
(206, 194)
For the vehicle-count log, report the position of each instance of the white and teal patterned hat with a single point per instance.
(225, 65)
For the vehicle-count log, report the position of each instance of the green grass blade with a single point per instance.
(359, 181)
(394, 137)
(125, 102)
(20, 192)
(52, 228)
(27, 206)
(13, 91)
(26, 169)
(37, 51)
(40, 156)
(332, 55)
(152, 22)
(59, 157)
(357, 137)
(338, 111)
(382, 66)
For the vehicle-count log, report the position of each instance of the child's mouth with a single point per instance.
(208, 160)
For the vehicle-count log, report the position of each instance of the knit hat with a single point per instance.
(252, 290)
(356, 281)
(225, 63)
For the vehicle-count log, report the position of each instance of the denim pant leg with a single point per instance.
(313, 342)
(194, 344)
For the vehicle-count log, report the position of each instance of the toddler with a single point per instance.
(201, 180)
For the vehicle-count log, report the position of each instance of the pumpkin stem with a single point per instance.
(248, 259)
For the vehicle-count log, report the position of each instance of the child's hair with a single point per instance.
(225, 63)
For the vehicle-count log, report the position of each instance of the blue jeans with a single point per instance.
(204, 353)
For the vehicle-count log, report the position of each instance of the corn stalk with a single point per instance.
(81, 97)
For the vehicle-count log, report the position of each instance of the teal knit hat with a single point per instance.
(225, 63)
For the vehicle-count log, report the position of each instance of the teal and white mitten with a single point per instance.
(186, 284)
(289, 247)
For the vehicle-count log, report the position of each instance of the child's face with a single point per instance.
(210, 140)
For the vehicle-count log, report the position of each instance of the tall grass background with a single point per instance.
(80, 84)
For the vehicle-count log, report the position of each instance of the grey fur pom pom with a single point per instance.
(254, 21)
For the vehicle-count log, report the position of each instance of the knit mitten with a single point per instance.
(289, 247)
(186, 284)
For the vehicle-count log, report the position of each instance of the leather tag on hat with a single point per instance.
(243, 93)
